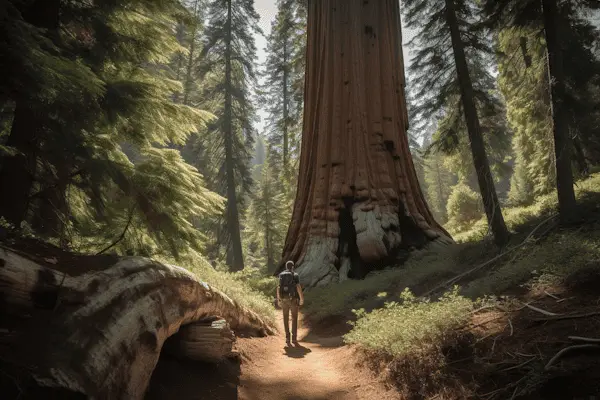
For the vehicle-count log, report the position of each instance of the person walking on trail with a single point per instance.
(290, 297)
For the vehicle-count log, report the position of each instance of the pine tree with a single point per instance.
(461, 90)
(228, 57)
(267, 215)
(95, 84)
(556, 18)
(280, 76)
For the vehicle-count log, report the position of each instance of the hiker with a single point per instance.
(290, 296)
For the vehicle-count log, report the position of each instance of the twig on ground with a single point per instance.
(541, 311)
(511, 327)
(584, 339)
(520, 365)
(499, 256)
(568, 349)
(551, 295)
(567, 316)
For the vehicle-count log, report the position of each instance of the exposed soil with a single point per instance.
(319, 368)
(503, 352)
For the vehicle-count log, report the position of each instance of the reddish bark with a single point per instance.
(355, 156)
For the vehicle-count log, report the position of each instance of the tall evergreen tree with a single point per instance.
(91, 97)
(267, 214)
(228, 65)
(461, 90)
(283, 51)
(555, 17)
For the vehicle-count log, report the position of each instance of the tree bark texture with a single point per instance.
(17, 173)
(487, 188)
(233, 217)
(96, 325)
(358, 202)
(567, 205)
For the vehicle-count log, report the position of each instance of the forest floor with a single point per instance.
(318, 368)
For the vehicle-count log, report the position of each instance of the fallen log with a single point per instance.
(209, 340)
(99, 331)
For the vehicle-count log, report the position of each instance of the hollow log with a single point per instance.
(99, 330)
(208, 340)
(357, 184)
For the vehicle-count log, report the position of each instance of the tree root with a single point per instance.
(569, 349)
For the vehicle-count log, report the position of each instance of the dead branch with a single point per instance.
(567, 316)
(541, 311)
(520, 365)
(584, 339)
(568, 349)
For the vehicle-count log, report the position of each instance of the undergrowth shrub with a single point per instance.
(410, 326)
(516, 217)
(464, 207)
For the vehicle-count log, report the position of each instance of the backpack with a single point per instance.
(287, 285)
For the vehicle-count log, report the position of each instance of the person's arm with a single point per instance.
(299, 289)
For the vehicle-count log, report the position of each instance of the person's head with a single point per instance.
(289, 265)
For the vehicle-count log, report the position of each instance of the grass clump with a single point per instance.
(409, 326)
(229, 283)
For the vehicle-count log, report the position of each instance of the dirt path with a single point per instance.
(321, 368)
(316, 369)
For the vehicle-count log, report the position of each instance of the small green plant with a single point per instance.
(409, 325)
(229, 283)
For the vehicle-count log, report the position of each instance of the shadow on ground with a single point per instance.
(176, 378)
(289, 390)
(296, 351)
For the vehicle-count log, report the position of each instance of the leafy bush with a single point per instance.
(518, 217)
(464, 206)
(401, 328)
(258, 280)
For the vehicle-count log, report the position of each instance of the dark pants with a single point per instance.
(286, 305)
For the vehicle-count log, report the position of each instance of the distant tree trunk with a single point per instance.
(285, 107)
(233, 219)
(187, 84)
(567, 204)
(358, 203)
(17, 173)
(582, 164)
(480, 160)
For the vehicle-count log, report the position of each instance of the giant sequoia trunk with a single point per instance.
(96, 325)
(358, 204)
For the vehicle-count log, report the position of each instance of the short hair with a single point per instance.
(289, 264)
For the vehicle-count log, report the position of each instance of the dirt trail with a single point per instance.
(321, 368)
(316, 369)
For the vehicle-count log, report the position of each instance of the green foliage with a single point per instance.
(528, 112)
(268, 216)
(100, 95)
(237, 286)
(518, 216)
(464, 207)
(223, 43)
(410, 326)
